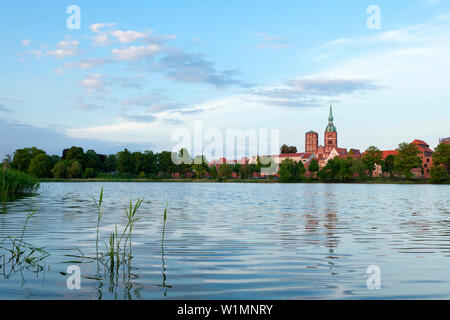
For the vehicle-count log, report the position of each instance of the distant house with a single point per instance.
(426, 154)
(378, 172)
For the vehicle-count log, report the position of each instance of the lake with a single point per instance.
(235, 241)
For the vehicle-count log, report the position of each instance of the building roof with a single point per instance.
(420, 142)
(387, 153)
(290, 155)
(308, 155)
(341, 151)
(422, 145)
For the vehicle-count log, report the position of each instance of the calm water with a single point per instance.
(240, 241)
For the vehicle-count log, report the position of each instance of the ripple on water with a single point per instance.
(241, 241)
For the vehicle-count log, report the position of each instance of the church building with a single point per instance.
(330, 142)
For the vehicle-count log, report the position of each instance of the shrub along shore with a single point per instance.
(16, 183)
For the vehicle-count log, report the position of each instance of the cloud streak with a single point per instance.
(312, 92)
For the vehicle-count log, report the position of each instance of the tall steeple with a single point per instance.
(330, 141)
(330, 127)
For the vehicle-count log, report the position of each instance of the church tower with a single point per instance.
(330, 141)
(311, 142)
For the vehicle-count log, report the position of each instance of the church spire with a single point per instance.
(330, 127)
(330, 117)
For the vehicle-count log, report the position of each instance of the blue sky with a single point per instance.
(137, 70)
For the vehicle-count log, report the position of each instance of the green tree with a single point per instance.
(388, 165)
(313, 167)
(213, 171)
(225, 171)
(75, 153)
(91, 160)
(139, 162)
(438, 173)
(288, 149)
(371, 157)
(237, 168)
(40, 166)
(151, 163)
(200, 166)
(59, 171)
(89, 173)
(111, 163)
(22, 158)
(186, 165)
(407, 159)
(74, 170)
(441, 156)
(300, 170)
(332, 170)
(287, 171)
(345, 169)
(358, 168)
(125, 162)
(165, 163)
(251, 169)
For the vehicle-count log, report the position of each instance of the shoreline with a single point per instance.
(366, 181)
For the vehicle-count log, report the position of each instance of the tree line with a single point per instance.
(75, 163)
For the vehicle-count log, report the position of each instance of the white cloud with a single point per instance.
(26, 42)
(66, 48)
(93, 83)
(135, 53)
(97, 26)
(101, 40)
(128, 36)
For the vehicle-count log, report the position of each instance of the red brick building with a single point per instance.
(311, 142)
(426, 154)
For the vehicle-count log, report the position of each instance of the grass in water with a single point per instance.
(15, 183)
(118, 247)
(117, 255)
(19, 254)
(164, 283)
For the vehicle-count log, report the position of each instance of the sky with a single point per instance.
(136, 71)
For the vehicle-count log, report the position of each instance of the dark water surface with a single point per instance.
(239, 241)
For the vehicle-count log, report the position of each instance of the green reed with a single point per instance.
(20, 254)
(118, 247)
(14, 183)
